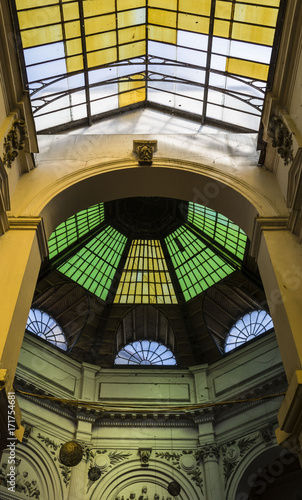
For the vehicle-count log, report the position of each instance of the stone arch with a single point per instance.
(131, 476)
(57, 199)
(247, 472)
(40, 468)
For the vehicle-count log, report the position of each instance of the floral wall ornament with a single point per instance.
(188, 461)
(281, 139)
(233, 453)
(53, 448)
(144, 151)
(14, 142)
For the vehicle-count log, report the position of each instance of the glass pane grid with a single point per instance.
(62, 40)
(145, 353)
(247, 328)
(219, 228)
(94, 266)
(145, 278)
(197, 266)
(46, 327)
(73, 228)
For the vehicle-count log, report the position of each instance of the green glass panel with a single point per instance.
(95, 264)
(73, 228)
(197, 266)
(219, 228)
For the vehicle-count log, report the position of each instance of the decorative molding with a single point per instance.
(294, 195)
(31, 224)
(279, 223)
(53, 450)
(14, 142)
(144, 454)
(144, 151)
(281, 139)
(188, 461)
(234, 451)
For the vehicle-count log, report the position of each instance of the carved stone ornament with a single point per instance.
(209, 451)
(144, 151)
(14, 142)
(144, 454)
(188, 461)
(281, 139)
(233, 453)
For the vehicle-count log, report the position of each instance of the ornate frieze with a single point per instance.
(144, 151)
(24, 483)
(14, 142)
(281, 139)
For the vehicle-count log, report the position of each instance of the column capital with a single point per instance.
(209, 452)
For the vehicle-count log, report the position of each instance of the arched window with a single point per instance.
(46, 327)
(247, 328)
(144, 353)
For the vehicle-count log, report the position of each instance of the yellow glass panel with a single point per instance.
(132, 92)
(97, 7)
(28, 4)
(102, 57)
(250, 69)
(201, 7)
(39, 17)
(254, 14)
(193, 23)
(131, 34)
(168, 4)
(42, 36)
(162, 17)
(162, 34)
(72, 29)
(103, 40)
(131, 17)
(127, 4)
(272, 3)
(74, 47)
(74, 63)
(71, 11)
(223, 9)
(99, 24)
(253, 34)
(222, 28)
(132, 50)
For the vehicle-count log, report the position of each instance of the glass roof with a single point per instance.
(207, 59)
(185, 258)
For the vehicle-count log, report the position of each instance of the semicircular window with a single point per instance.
(247, 328)
(144, 353)
(46, 327)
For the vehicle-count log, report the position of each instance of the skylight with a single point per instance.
(207, 59)
(144, 251)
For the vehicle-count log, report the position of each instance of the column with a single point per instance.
(79, 474)
(214, 489)
(280, 264)
(22, 248)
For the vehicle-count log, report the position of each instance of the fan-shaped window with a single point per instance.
(145, 352)
(46, 327)
(247, 328)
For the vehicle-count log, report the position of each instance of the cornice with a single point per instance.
(31, 224)
(278, 223)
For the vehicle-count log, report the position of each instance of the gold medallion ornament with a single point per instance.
(71, 453)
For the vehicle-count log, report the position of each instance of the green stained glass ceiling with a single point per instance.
(209, 59)
(129, 259)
